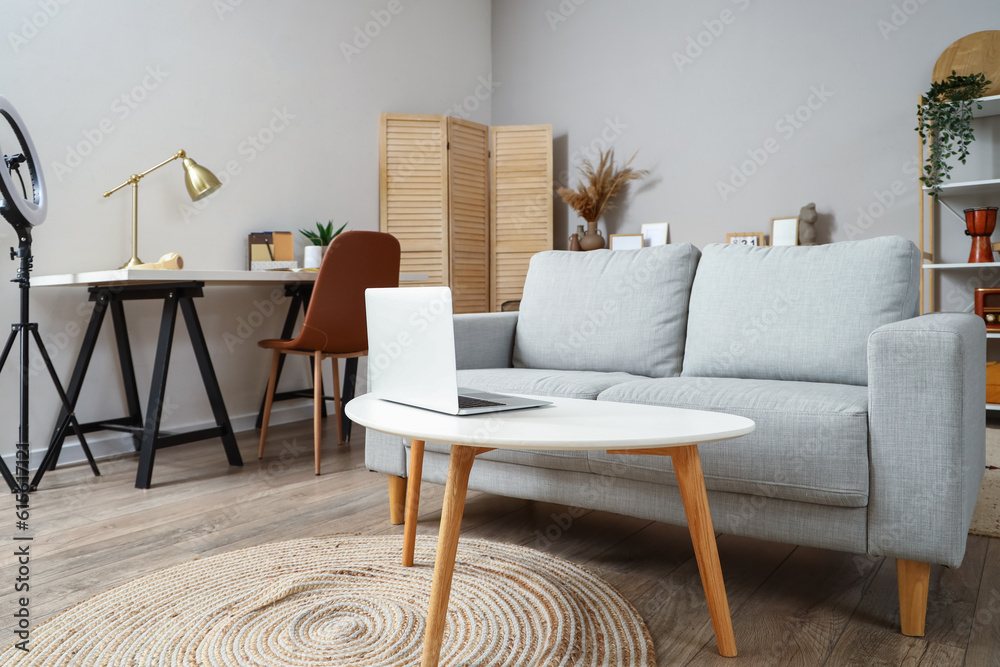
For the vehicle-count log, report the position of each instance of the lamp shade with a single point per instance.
(200, 181)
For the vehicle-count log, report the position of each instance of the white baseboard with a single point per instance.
(109, 443)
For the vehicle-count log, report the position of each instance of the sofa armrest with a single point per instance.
(484, 340)
(927, 429)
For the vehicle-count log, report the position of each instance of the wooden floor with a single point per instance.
(791, 605)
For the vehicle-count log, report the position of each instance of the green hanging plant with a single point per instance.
(324, 234)
(944, 121)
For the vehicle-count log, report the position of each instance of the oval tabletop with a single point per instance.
(569, 423)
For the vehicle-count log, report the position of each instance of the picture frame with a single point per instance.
(625, 241)
(655, 234)
(746, 238)
(784, 231)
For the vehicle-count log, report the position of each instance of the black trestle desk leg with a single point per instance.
(211, 381)
(128, 370)
(306, 295)
(286, 332)
(350, 381)
(157, 391)
(76, 380)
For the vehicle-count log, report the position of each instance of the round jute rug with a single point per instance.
(346, 600)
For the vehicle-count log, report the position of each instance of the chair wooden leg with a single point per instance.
(336, 399)
(317, 406)
(268, 401)
(413, 500)
(913, 578)
(397, 499)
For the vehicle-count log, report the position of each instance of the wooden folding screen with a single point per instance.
(439, 189)
(413, 192)
(469, 214)
(520, 205)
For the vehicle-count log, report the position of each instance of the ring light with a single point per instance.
(23, 213)
(18, 211)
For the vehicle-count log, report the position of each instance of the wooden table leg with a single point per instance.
(412, 500)
(687, 465)
(459, 467)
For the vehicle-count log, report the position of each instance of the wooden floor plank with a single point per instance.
(679, 622)
(951, 601)
(984, 637)
(799, 613)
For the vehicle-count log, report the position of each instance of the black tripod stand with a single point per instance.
(22, 328)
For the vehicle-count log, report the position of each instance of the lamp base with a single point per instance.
(132, 263)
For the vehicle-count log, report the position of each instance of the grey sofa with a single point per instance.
(870, 420)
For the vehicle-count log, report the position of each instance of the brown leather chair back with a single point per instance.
(335, 321)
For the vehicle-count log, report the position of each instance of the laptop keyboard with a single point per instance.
(465, 402)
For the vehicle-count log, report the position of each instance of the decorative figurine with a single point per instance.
(807, 224)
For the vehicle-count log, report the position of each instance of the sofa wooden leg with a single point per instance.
(913, 578)
(397, 499)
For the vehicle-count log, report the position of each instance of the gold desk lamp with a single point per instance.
(200, 183)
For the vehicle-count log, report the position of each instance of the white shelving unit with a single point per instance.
(971, 193)
(960, 265)
(991, 107)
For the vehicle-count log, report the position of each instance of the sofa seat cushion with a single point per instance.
(566, 384)
(797, 313)
(606, 310)
(810, 444)
(539, 382)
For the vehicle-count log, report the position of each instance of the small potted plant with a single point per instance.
(592, 196)
(944, 120)
(319, 240)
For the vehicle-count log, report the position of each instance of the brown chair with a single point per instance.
(335, 326)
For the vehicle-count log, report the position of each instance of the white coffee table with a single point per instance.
(568, 424)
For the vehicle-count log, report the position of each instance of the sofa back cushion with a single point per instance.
(606, 310)
(797, 313)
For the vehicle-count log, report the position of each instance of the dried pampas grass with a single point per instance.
(592, 196)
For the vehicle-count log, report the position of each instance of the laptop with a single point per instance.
(411, 354)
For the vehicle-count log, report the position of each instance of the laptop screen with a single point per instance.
(411, 347)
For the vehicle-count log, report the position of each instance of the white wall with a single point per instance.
(209, 77)
(634, 72)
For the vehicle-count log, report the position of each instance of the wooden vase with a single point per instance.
(980, 223)
(593, 239)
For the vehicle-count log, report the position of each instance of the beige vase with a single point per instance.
(593, 239)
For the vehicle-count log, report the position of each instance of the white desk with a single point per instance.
(177, 289)
(568, 424)
(214, 277)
